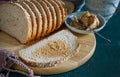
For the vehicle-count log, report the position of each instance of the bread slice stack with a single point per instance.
(51, 51)
(31, 19)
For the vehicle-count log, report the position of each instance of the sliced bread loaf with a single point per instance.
(15, 21)
(44, 17)
(33, 19)
(54, 20)
(51, 51)
(38, 18)
(65, 9)
(61, 8)
(48, 14)
(58, 12)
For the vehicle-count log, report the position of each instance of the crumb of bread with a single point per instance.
(52, 49)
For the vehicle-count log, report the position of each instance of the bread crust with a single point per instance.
(54, 20)
(33, 19)
(38, 19)
(65, 9)
(62, 9)
(50, 63)
(48, 14)
(44, 17)
(58, 12)
(29, 25)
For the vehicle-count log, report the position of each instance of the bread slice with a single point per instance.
(50, 51)
(58, 12)
(61, 8)
(54, 20)
(38, 18)
(33, 18)
(15, 21)
(44, 17)
(65, 8)
(49, 15)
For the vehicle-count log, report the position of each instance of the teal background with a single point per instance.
(106, 60)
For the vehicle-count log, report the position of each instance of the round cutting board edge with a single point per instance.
(76, 61)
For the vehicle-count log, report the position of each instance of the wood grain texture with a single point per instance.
(87, 42)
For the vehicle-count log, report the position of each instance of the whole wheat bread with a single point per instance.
(61, 8)
(54, 20)
(38, 18)
(44, 17)
(48, 14)
(51, 51)
(33, 19)
(58, 12)
(15, 21)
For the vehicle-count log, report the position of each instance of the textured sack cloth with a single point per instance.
(7, 59)
(104, 7)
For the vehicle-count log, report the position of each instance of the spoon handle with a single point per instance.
(79, 23)
(102, 37)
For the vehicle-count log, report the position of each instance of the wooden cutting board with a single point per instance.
(87, 42)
